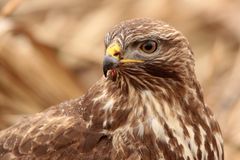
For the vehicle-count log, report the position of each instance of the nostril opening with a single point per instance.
(116, 54)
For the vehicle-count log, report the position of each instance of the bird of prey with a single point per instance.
(147, 106)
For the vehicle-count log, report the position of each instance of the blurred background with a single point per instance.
(51, 51)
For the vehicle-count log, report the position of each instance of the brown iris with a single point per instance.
(149, 46)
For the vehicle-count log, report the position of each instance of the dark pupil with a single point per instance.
(148, 46)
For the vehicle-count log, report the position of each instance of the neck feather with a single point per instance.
(115, 103)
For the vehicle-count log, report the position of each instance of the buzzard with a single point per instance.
(148, 106)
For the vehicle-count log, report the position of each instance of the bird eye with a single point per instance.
(149, 46)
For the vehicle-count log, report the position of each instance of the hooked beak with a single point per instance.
(112, 59)
(109, 63)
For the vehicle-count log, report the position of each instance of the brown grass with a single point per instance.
(51, 51)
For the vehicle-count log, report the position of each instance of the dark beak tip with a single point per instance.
(109, 63)
(105, 72)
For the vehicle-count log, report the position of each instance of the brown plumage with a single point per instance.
(149, 106)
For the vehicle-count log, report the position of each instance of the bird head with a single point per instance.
(147, 48)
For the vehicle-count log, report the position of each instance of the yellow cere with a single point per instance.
(115, 48)
(112, 49)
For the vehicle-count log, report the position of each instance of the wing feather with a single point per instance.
(57, 132)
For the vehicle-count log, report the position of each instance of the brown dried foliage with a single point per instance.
(51, 51)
